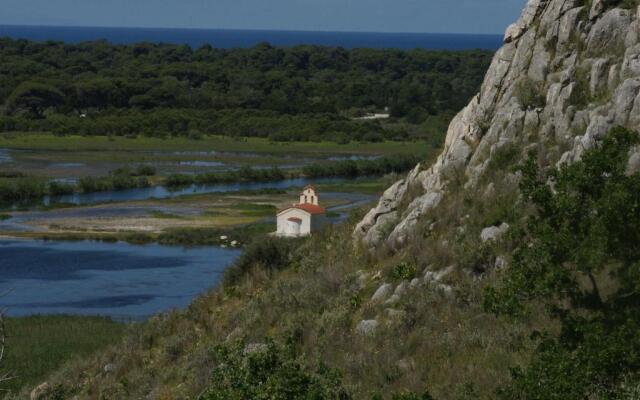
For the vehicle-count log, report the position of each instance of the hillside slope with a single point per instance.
(399, 308)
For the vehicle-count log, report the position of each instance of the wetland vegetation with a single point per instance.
(41, 344)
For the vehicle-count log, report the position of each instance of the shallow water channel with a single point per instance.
(162, 192)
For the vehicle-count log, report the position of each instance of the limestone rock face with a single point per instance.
(367, 327)
(634, 162)
(586, 63)
(494, 232)
(384, 291)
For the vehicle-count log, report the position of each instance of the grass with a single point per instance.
(45, 141)
(4, 217)
(164, 215)
(365, 186)
(39, 345)
(256, 210)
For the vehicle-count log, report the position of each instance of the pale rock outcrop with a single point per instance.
(252, 348)
(631, 62)
(40, 392)
(402, 288)
(438, 276)
(633, 166)
(235, 334)
(392, 300)
(367, 327)
(531, 11)
(599, 75)
(384, 291)
(418, 207)
(394, 315)
(371, 227)
(415, 282)
(500, 263)
(609, 31)
(597, 7)
(494, 233)
(587, 65)
(406, 365)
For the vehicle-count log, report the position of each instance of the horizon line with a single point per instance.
(252, 30)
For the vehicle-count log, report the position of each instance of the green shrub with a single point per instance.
(403, 271)
(58, 188)
(581, 95)
(504, 157)
(145, 170)
(21, 190)
(269, 252)
(530, 94)
(271, 372)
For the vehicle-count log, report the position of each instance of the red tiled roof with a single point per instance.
(310, 208)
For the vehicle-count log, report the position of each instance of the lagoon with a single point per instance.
(123, 281)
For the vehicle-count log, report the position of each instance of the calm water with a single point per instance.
(115, 279)
(248, 38)
(5, 157)
(161, 192)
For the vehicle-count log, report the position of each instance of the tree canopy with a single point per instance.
(298, 93)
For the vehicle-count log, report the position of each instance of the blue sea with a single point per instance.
(227, 38)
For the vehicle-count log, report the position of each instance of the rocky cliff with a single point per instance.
(569, 70)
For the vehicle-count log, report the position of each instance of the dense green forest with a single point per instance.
(299, 93)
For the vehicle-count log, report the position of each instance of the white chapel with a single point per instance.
(303, 218)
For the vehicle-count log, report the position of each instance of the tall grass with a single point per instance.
(39, 345)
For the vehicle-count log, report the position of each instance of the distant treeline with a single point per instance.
(245, 174)
(299, 93)
(351, 168)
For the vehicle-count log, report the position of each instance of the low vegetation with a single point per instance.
(40, 344)
(29, 189)
(352, 169)
(245, 174)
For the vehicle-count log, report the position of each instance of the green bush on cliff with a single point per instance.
(578, 256)
(530, 93)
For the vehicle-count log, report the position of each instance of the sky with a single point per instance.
(438, 16)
